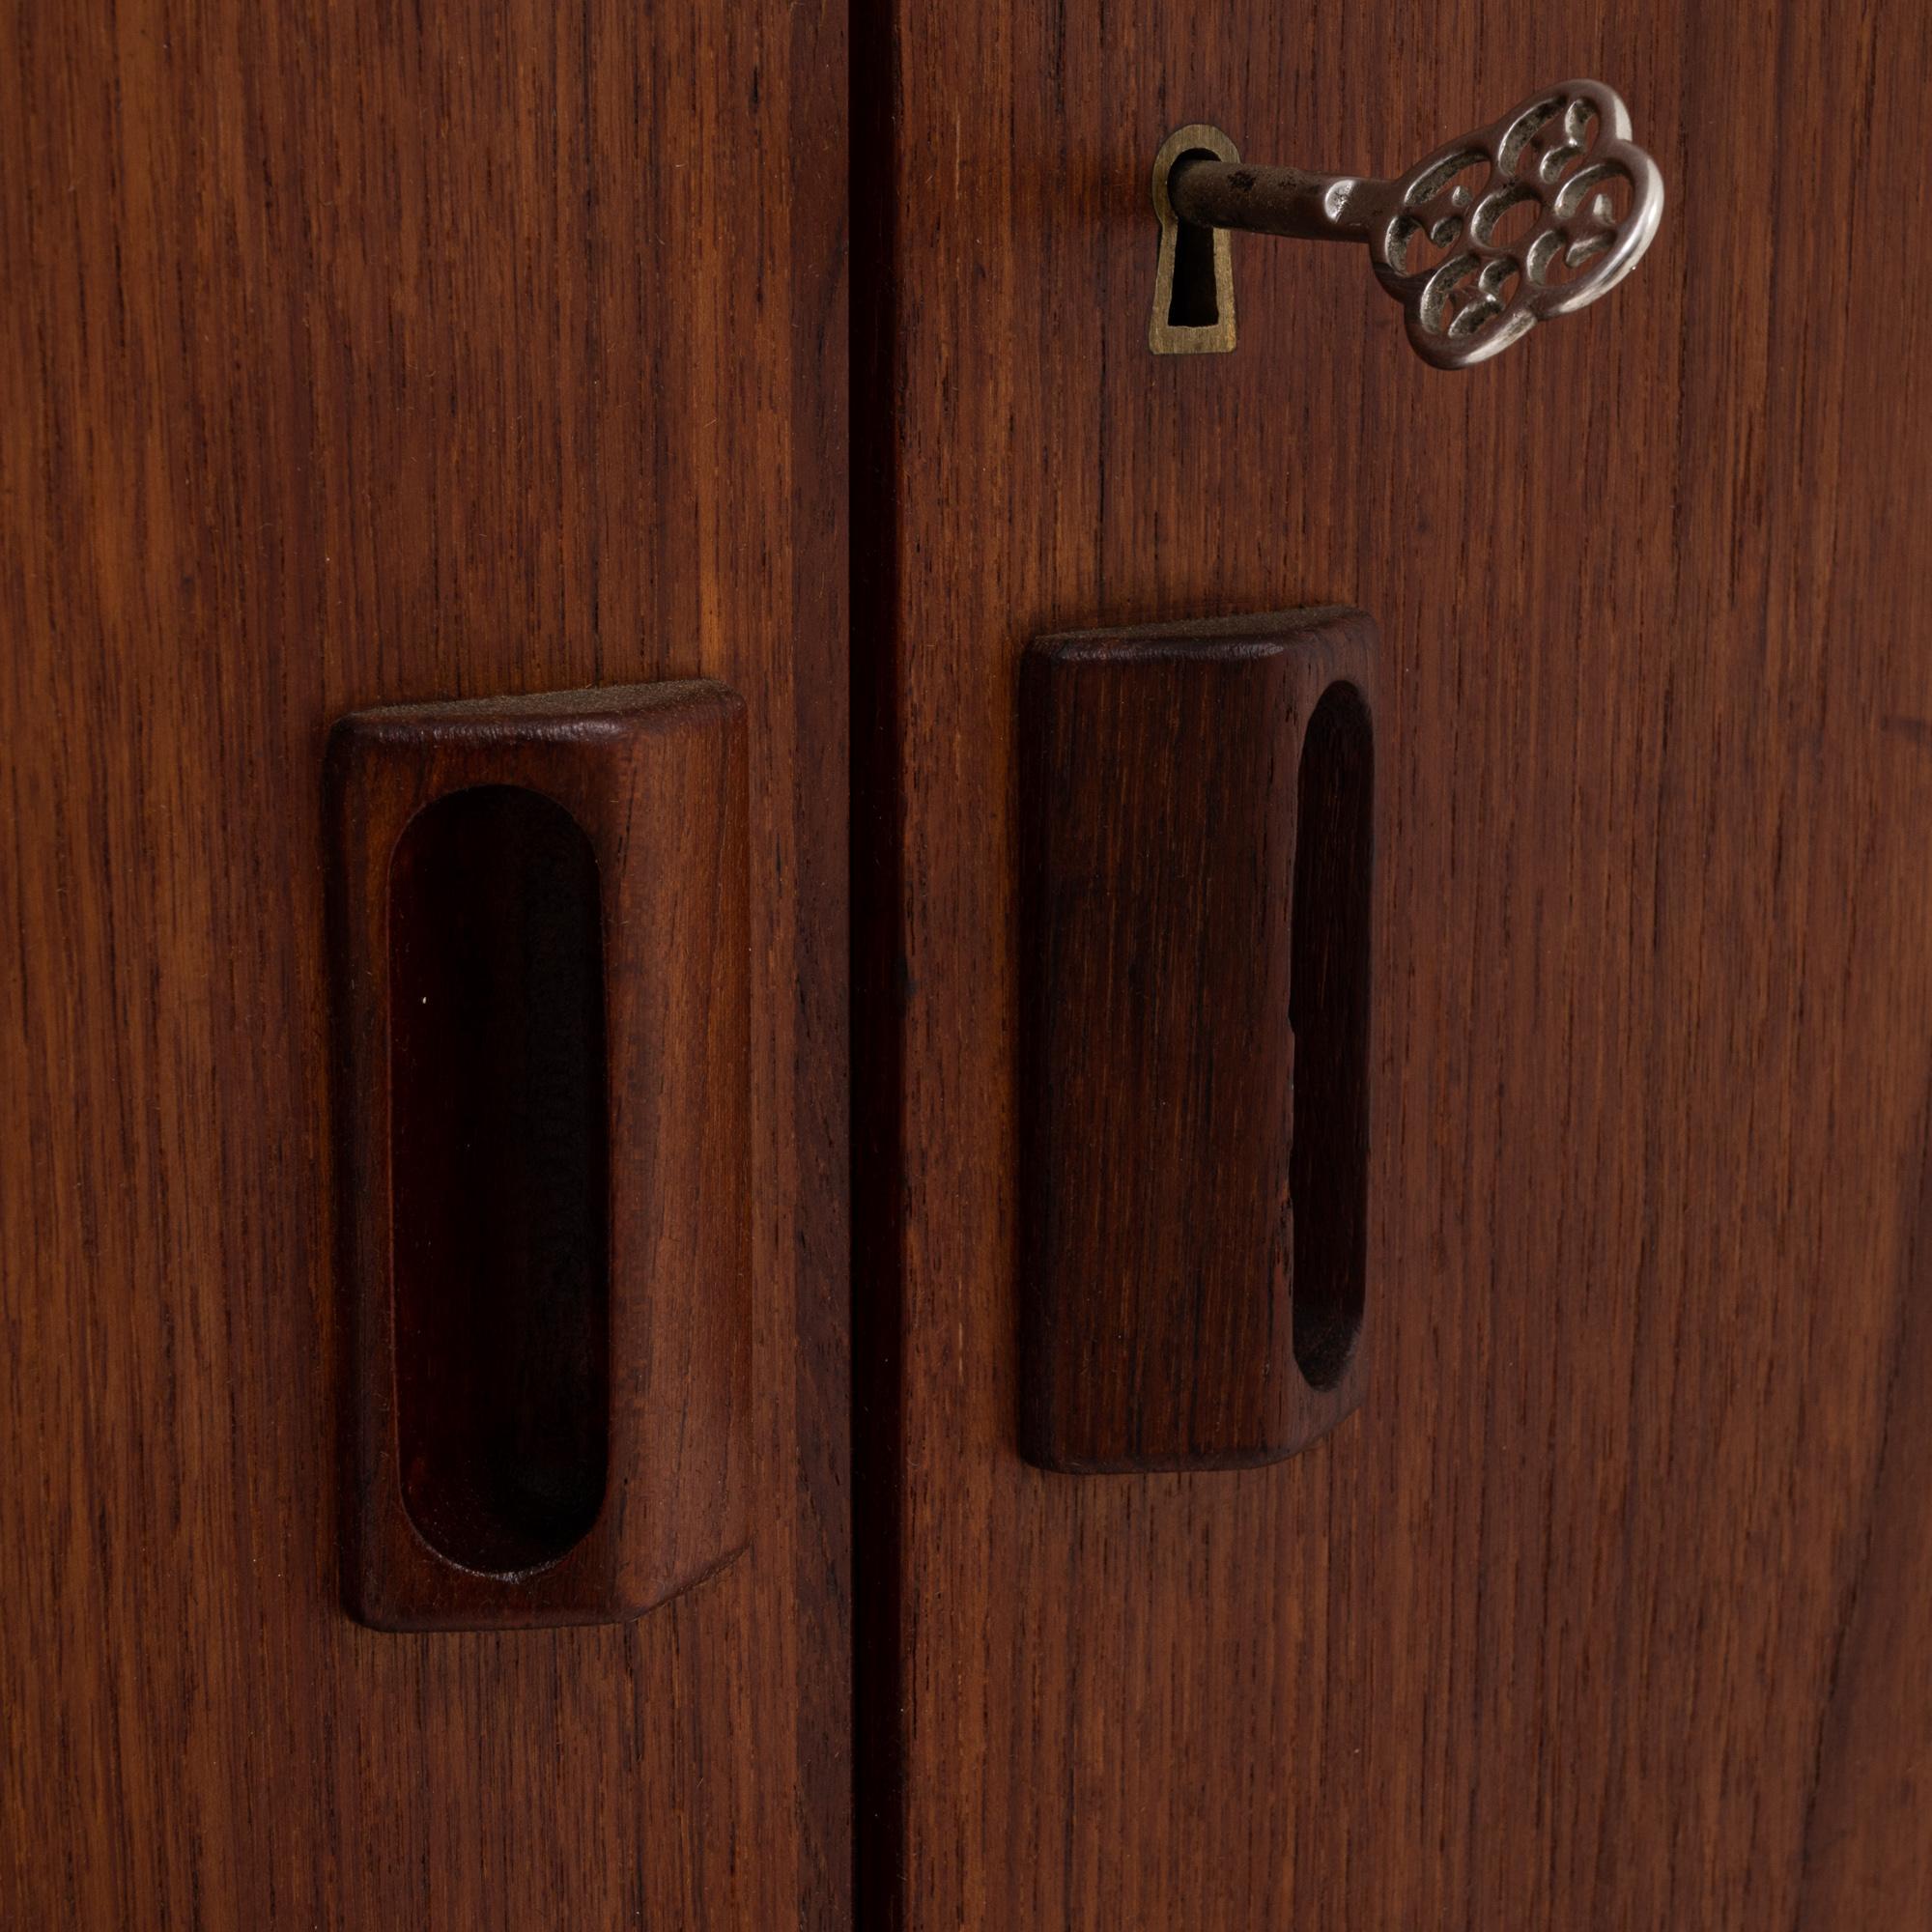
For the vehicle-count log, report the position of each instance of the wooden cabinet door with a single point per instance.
(1605, 1608)
(354, 354)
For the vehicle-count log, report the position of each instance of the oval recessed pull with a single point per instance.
(1536, 216)
(499, 1175)
(542, 1007)
(1197, 850)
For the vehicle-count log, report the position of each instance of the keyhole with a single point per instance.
(1194, 290)
(1193, 301)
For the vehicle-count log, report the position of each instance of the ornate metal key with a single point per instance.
(1533, 216)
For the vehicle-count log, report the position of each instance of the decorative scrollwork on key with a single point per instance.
(1534, 216)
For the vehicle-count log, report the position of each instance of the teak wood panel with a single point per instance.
(354, 356)
(1601, 1609)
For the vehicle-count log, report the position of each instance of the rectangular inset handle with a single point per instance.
(1197, 817)
(542, 959)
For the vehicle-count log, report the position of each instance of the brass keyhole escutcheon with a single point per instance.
(1194, 277)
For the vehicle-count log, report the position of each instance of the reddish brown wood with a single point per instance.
(545, 1151)
(1866, 1851)
(1192, 1165)
(1600, 1612)
(815, 867)
(355, 355)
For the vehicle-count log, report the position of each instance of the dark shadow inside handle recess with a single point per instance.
(499, 1174)
(1328, 1008)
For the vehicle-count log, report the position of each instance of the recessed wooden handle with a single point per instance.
(1197, 844)
(541, 1000)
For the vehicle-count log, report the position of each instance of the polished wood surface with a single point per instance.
(541, 1028)
(355, 355)
(1193, 988)
(1600, 1611)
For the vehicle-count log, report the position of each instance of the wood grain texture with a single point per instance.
(1596, 1613)
(550, 1395)
(357, 356)
(1193, 994)
(818, 639)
